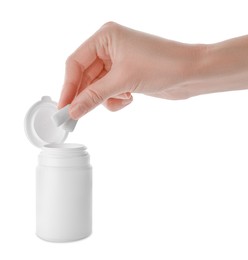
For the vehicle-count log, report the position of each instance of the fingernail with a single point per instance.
(76, 111)
(126, 102)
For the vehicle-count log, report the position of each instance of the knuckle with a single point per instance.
(94, 96)
(87, 79)
(70, 61)
(110, 25)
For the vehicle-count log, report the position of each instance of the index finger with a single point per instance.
(80, 60)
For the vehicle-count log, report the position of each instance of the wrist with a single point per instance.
(220, 67)
(192, 72)
(197, 70)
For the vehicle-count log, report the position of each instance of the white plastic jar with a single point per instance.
(63, 178)
(63, 193)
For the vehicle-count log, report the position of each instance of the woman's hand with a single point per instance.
(117, 61)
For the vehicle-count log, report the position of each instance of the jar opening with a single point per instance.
(64, 155)
(66, 146)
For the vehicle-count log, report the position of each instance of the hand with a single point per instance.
(117, 61)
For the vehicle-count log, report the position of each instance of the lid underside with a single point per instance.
(39, 126)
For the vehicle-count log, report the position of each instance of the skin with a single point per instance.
(117, 61)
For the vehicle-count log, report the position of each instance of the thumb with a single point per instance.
(94, 95)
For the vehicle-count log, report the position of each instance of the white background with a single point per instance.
(170, 177)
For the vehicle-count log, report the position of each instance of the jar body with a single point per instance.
(63, 195)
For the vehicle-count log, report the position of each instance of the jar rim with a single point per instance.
(64, 146)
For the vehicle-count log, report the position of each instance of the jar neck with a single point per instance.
(64, 150)
(64, 155)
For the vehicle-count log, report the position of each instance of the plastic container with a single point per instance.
(63, 179)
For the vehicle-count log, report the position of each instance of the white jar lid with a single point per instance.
(39, 126)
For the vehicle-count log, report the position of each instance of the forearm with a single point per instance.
(117, 61)
(221, 67)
